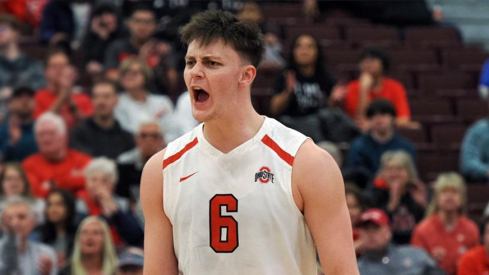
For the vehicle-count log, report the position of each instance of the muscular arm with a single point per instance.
(319, 192)
(159, 256)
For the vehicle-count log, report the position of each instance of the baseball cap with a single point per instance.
(131, 256)
(374, 215)
(20, 91)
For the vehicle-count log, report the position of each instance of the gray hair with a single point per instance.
(55, 119)
(402, 157)
(18, 200)
(144, 120)
(104, 165)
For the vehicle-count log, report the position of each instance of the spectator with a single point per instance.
(476, 260)
(59, 229)
(17, 134)
(381, 257)
(137, 102)
(356, 206)
(100, 200)
(94, 252)
(183, 113)
(474, 157)
(16, 68)
(446, 234)
(14, 182)
(57, 24)
(399, 192)
(131, 262)
(365, 151)
(60, 96)
(142, 26)
(484, 81)
(374, 85)
(55, 165)
(101, 134)
(26, 11)
(104, 28)
(18, 254)
(149, 140)
(304, 89)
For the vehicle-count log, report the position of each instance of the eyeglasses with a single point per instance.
(151, 135)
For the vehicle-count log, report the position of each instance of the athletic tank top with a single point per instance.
(234, 213)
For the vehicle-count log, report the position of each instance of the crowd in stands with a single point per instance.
(79, 122)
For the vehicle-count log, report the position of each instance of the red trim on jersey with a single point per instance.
(177, 156)
(280, 152)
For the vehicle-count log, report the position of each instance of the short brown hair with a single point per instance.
(105, 81)
(209, 26)
(11, 21)
(55, 51)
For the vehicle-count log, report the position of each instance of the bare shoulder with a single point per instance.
(152, 180)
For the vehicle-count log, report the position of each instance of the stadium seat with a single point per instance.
(448, 136)
(342, 59)
(432, 36)
(477, 199)
(377, 35)
(430, 164)
(321, 32)
(405, 78)
(417, 136)
(429, 83)
(464, 59)
(281, 10)
(431, 107)
(420, 60)
(472, 109)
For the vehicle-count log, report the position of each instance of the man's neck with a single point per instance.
(307, 70)
(228, 132)
(104, 122)
(11, 51)
(23, 245)
(92, 263)
(57, 157)
(138, 94)
(448, 218)
(383, 137)
(137, 44)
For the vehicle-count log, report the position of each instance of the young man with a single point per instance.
(241, 193)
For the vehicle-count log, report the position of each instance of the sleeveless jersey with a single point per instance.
(234, 213)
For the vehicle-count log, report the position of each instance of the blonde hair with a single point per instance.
(448, 180)
(399, 156)
(145, 69)
(110, 259)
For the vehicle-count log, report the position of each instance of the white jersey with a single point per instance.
(234, 213)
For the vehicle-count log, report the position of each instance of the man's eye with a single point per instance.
(190, 63)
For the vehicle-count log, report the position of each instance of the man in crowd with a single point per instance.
(381, 257)
(476, 260)
(60, 95)
(101, 134)
(55, 165)
(131, 262)
(18, 254)
(17, 135)
(149, 140)
(366, 151)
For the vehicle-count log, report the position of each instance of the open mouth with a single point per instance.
(200, 95)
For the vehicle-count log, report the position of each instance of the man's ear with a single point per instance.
(248, 74)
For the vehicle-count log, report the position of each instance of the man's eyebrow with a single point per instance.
(207, 57)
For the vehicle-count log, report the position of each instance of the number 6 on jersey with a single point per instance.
(223, 229)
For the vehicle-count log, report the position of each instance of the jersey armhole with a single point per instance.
(291, 186)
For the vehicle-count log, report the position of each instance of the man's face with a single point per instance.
(130, 270)
(7, 35)
(142, 25)
(382, 123)
(49, 139)
(375, 237)
(55, 66)
(449, 199)
(149, 140)
(104, 99)
(371, 66)
(20, 219)
(23, 106)
(212, 73)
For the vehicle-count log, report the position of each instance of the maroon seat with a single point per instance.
(430, 165)
(464, 59)
(472, 109)
(372, 35)
(417, 136)
(282, 10)
(432, 36)
(429, 83)
(405, 78)
(321, 32)
(430, 107)
(448, 136)
(477, 198)
(420, 60)
(342, 58)
(265, 79)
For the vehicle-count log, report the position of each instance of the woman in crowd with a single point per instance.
(400, 193)
(94, 252)
(447, 233)
(356, 206)
(60, 227)
(13, 182)
(100, 200)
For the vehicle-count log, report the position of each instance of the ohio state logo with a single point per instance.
(264, 176)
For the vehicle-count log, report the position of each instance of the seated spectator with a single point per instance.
(365, 151)
(55, 165)
(57, 25)
(476, 260)
(16, 68)
(137, 102)
(99, 200)
(101, 134)
(60, 227)
(400, 193)
(149, 140)
(381, 257)
(59, 96)
(18, 254)
(131, 262)
(356, 206)
(304, 89)
(17, 134)
(474, 155)
(94, 252)
(374, 85)
(14, 182)
(104, 28)
(446, 234)
(141, 43)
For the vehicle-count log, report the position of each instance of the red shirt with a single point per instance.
(66, 174)
(25, 10)
(474, 262)
(431, 234)
(45, 99)
(391, 90)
